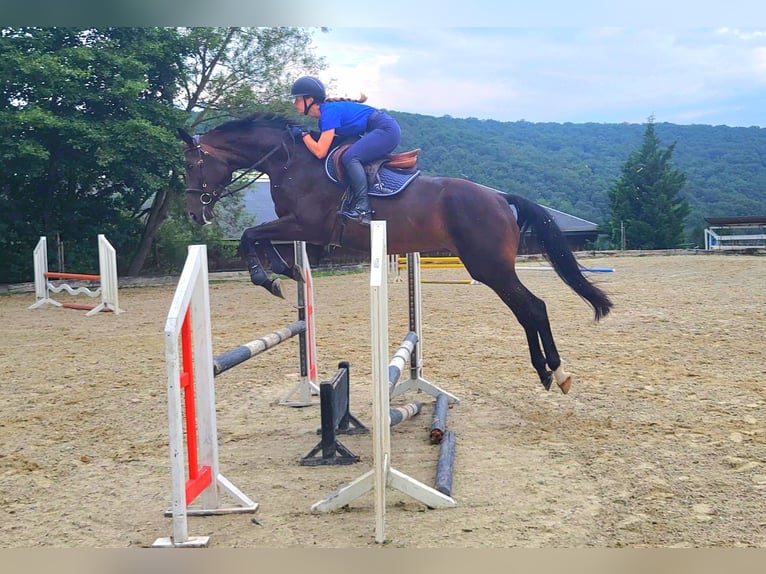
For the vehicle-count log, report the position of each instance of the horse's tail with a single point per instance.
(551, 238)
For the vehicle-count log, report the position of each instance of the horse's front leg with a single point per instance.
(286, 227)
(278, 264)
(258, 274)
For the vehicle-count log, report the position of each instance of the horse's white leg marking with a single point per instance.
(563, 379)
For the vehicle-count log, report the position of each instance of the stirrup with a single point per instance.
(363, 217)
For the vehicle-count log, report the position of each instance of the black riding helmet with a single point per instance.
(308, 86)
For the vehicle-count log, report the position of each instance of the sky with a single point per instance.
(679, 61)
(709, 74)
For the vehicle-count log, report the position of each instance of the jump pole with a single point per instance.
(440, 435)
(192, 371)
(456, 263)
(382, 475)
(445, 464)
(548, 268)
(108, 288)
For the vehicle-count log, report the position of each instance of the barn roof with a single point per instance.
(739, 220)
(570, 223)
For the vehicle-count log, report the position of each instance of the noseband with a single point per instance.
(208, 197)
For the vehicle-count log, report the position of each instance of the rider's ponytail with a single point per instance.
(362, 98)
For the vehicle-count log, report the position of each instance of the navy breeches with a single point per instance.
(382, 137)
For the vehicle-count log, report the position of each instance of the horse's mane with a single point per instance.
(258, 119)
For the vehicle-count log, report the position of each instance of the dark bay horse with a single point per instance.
(480, 225)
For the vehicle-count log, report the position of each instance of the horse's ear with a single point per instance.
(184, 135)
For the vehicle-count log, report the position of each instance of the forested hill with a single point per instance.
(570, 167)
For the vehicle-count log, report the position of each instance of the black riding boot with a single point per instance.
(359, 209)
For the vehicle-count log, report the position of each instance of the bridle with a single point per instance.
(208, 197)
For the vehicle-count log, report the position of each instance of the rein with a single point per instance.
(207, 197)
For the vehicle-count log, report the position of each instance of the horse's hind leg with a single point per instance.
(532, 315)
(563, 379)
(489, 255)
(527, 313)
(499, 274)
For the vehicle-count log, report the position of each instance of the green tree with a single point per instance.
(645, 201)
(230, 72)
(88, 120)
(85, 117)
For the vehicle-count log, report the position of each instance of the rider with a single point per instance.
(378, 133)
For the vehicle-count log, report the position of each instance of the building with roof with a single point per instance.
(735, 233)
(578, 232)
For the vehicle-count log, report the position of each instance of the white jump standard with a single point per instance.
(384, 474)
(107, 277)
(192, 372)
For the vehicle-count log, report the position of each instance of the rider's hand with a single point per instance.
(298, 132)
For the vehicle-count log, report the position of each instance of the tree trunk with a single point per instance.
(157, 215)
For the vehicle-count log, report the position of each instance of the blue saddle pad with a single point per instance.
(387, 182)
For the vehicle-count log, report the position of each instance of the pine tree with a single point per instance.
(645, 201)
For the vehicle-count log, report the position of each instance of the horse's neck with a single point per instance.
(302, 175)
(247, 152)
(232, 155)
(291, 162)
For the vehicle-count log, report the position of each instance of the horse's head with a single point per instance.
(260, 142)
(206, 177)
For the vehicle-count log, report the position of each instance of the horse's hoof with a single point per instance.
(547, 381)
(564, 386)
(276, 288)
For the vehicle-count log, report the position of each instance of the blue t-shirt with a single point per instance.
(347, 118)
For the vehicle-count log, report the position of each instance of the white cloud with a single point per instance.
(607, 74)
(746, 35)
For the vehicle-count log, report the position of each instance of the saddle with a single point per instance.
(404, 162)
